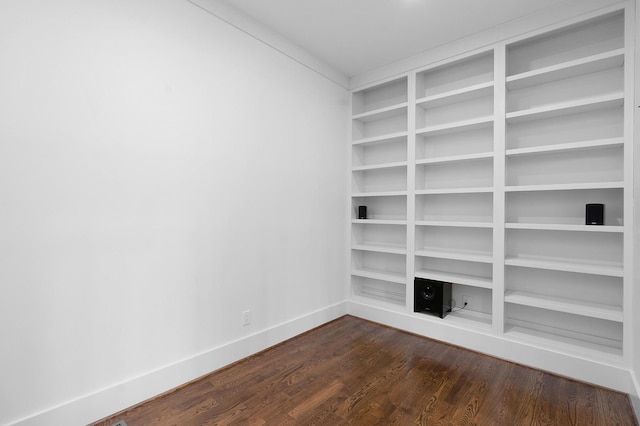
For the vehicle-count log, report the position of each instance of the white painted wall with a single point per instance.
(636, 237)
(160, 172)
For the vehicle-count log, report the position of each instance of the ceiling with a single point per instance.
(355, 36)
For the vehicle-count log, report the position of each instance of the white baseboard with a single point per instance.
(104, 402)
(635, 396)
(604, 374)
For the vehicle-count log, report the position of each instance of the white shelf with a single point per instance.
(458, 126)
(568, 265)
(382, 113)
(575, 68)
(466, 255)
(470, 319)
(564, 147)
(454, 278)
(379, 221)
(435, 191)
(577, 307)
(379, 194)
(380, 275)
(380, 248)
(380, 296)
(396, 164)
(454, 158)
(567, 108)
(581, 345)
(565, 227)
(458, 95)
(564, 186)
(452, 223)
(389, 137)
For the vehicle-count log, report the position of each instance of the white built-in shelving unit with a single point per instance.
(477, 170)
(379, 181)
(565, 148)
(454, 180)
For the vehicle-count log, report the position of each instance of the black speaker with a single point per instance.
(431, 297)
(362, 212)
(594, 214)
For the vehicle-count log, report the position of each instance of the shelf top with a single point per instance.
(571, 306)
(456, 278)
(381, 248)
(564, 147)
(455, 96)
(566, 108)
(379, 221)
(468, 255)
(610, 353)
(564, 227)
(457, 126)
(396, 164)
(467, 318)
(386, 138)
(382, 113)
(380, 275)
(455, 158)
(474, 190)
(564, 186)
(611, 269)
(574, 68)
(455, 224)
(379, 194)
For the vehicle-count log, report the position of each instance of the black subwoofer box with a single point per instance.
(431, 297)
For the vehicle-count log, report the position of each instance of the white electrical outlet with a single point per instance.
(246, 317)
(466, 301)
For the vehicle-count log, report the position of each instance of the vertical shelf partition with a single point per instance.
(454, 183)
(565, 148)
(379, 182)
(510, 145)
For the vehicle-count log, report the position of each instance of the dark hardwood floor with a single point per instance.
(352, 371)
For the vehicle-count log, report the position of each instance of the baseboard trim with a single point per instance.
(104, 402)
(635, 396)
(615, 377)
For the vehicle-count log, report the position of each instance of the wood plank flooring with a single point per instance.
(352, 371)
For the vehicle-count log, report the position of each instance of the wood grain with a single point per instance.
(352, 371)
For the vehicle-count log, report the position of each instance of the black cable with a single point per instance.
(459, 309)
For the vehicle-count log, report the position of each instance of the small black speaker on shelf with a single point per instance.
(362, 212)
(431, 297)
(594, 214)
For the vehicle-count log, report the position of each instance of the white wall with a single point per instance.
(160, 172)
(636, 238)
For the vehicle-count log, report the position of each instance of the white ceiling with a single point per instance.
(355, 36)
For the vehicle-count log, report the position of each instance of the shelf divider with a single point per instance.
(567, 265)
(381, 113)
(567, 108)
(564, 147)
(455, 278)
(577, 67)
(380, 275)
(565, 227)
(577, 307)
